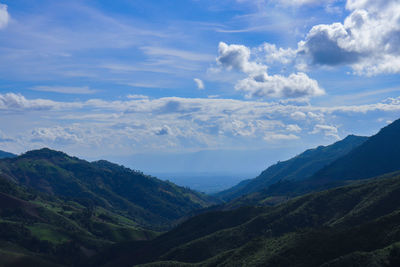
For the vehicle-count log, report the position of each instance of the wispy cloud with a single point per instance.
(199, 83)
(4, 16)
(64, 89)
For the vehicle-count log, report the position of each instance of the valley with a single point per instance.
(58, 210)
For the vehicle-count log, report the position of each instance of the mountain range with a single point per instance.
(335, 205)
(58, 208)
(355, 225)
(299, 168)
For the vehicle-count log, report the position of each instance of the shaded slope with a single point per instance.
(298, 168)
(4, 154)
(378, 155)
(307, 231)
(148, 201)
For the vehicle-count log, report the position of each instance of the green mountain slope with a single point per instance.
(144, 199)
(37, 229)
(345, 225)
(298, 168)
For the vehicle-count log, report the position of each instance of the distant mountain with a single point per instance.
(147, 201)
(298, 168)
(4, 154)
(355, 225)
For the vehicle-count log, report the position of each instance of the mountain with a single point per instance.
(299, 168)
(37, 229)
(378, 155)
(4, 154)
(357, 225)
(147, 201)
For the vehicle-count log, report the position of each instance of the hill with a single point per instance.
(378, 155)
(356, 225)
(37, 229)
(147, 201)
(4, 154)
(299, 168)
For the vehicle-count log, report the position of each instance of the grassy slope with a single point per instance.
(146, 200)
(38, 228)
(320, 228)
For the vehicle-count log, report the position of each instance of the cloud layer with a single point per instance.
(172, 123)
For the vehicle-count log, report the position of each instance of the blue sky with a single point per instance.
(126, 80)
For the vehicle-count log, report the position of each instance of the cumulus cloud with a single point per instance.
(274, 54)
(278, 86)
(199, 83)
(368, 40)
(237, 57)
(165, 130)
(298, 115)
(4, 16)
(259, 84)
(11, 101)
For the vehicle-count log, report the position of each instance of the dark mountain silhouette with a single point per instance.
(299, 168)
(379, 154)
(4, 154)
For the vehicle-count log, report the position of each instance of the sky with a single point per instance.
(195, 85)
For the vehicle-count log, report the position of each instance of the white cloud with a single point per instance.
(199, 83)
(294, 86)
(165, 130)
(298, 115)
(368, 40)
(274, 54)
(65, 89)
(4, 16)
(237, 57)
(259, 83)
(293, 128)
(57, 134)
(328, 130)
(280, 137)
(11, 101)
(162, 124)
